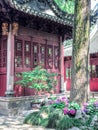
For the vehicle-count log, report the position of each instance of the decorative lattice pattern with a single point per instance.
(31, 54)
(35, 54)
(50, 56)
(27, 53)
(18, 53)
(56, 57)
(42, 55)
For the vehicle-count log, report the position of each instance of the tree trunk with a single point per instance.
(80, 53)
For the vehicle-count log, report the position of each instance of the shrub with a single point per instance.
(67, 122)
(59, 118)
(39, 79)
(39, 118)
(54, 118)
(91, 107)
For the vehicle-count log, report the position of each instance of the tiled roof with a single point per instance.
(42, 8)
(93, 43)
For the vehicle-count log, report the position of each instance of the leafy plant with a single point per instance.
(91, 107)
(54, 118)
(73, 105)
(66, 5)
(39, 79)
(38, 118)
(59, 103)
(58, 117)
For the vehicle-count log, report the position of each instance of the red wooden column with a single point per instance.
(10, 63)
(62, 64)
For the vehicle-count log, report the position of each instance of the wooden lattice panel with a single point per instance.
(56, 57)
(50, 56)
(27, 54)
(43, 55)
(18, 53)
(35, 54)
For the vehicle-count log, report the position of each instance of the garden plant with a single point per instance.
(38, 79)
(61, 114)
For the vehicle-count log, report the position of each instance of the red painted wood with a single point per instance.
(38, 54)
(19, 91)
(93, 81)
(94, 84)
(2, 84)
(24, 59)
(3, 62)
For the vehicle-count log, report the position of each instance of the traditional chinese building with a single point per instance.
(93, 61)
(31, 32)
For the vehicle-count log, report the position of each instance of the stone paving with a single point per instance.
(16, 123)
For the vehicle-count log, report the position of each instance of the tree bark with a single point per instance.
(80, 53)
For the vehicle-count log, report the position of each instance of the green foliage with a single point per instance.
(39, 118)
(60, 105)
(66, 5)
(54, 117)
(67, 122)
(91, 109)
(38, 78)
(73, 105)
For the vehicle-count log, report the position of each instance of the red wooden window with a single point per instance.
(56, 57)
(50, 56)
(35, 54)
(3, 52)
(27, 54)
(18, 53)
(68, 72)
(93, 71)
(42, 55)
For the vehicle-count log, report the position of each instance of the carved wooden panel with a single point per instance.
(4, 28)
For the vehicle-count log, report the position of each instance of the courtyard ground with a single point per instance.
(16, 123)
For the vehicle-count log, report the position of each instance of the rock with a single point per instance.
(94, 120)
(25, 113)
(78, 114)
(74, 128)
(85, 128)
